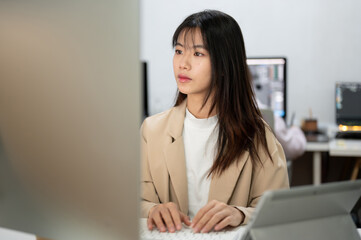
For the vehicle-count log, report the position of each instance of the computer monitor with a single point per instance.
(145, 89)
(70, 113)
(348, 99)
(269, 82)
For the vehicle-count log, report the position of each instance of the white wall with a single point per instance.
(320, 38)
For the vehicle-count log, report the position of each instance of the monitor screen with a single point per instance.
(348, 99)
(269, 82)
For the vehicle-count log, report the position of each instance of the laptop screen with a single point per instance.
(348, 99)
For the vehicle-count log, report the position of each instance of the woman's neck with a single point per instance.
(194, 105)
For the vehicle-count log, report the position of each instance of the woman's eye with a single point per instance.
(198, 54)
(177, 51)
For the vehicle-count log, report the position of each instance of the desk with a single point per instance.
(335, 147)
(346, 148)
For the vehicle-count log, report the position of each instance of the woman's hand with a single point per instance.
(216, 215)
(169, 215)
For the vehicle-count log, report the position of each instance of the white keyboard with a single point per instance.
(187, 234)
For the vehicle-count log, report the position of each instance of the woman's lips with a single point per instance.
(183, 78)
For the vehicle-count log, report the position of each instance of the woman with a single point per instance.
(211, 156)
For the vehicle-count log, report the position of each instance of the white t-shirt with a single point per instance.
(200, 138)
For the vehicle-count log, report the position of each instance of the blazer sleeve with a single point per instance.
(149, 196)
(269, 176)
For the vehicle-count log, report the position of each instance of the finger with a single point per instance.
(218, 207)
(215, 219)
(150, 223)
(185, 219)
(167, 218)
(224, 223)
(176, 217)
(157, 219)
(201, 212)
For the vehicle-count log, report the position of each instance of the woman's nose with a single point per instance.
(184, 62)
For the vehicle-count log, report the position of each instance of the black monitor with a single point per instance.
(348, 99)
(145, 103)
(269, 82)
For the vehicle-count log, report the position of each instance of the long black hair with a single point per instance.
(240, 123)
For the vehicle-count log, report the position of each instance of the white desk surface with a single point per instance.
(337, 147)
(15, 235)
(343, 147)
(317, 146)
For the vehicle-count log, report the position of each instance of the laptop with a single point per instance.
(307, 212)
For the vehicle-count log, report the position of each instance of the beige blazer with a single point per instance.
(164, 179)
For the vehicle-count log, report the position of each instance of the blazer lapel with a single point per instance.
(222, 187)
(175, 160)
(174, 156)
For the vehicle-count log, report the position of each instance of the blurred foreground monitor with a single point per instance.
(70, 111)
